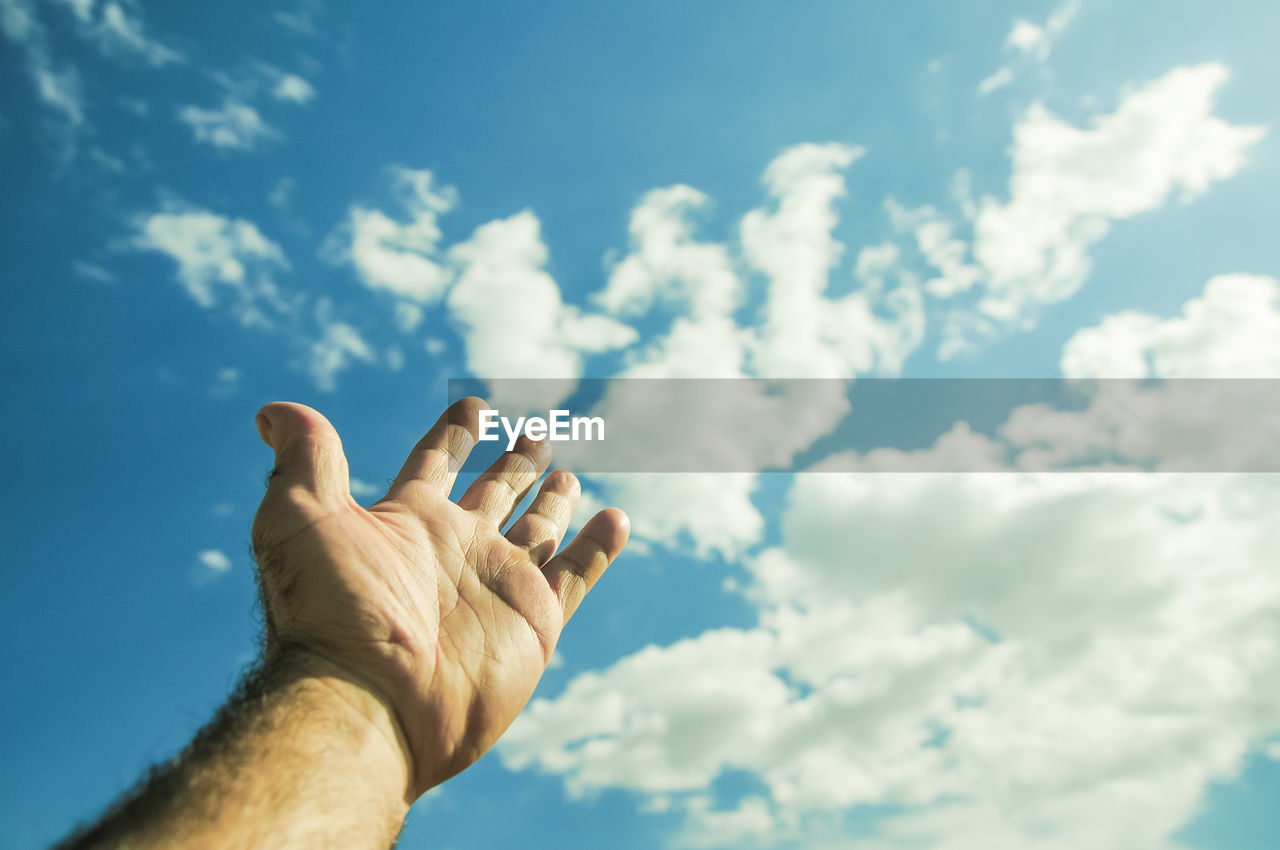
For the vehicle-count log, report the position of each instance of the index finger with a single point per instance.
(436, 459)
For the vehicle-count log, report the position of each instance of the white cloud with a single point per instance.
(1232, 331)
(793, 247)
(116, 29)
(806, 333)
(92, 271)
(693, 280)
(235, 126)
(338, 347)
(1031, 661)
(1031, 42)
(230, 264)
(1062, 17)
(701, 514)
(802, 331)
(281, 196)
(939, 247)
(874, 264)
(59, 89)
(215, 560)
(365, 490)
(997, 80)
(253, 78)
(303, 20)
(667, 263)
(510, 311)
(226, 382)
(119, 31)
(293, 88)
(660, 716)
(1000, 656)
(1027, 37)
(211, 565)
(400, 258)
(18, 20)
(218, 254)
(1068, 184)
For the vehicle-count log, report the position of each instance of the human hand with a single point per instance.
(423, 601)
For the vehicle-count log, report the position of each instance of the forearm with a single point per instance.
(301, 756)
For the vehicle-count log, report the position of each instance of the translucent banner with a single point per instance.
(885, 425)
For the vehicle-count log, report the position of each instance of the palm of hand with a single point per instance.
(422, 599)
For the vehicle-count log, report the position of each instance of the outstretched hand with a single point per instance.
(422, 600)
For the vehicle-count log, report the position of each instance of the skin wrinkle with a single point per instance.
(538, 540)
(457, 458)
(512, 490)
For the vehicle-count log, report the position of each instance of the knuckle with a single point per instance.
(562, 482)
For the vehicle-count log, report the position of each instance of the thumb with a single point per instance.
(308, 450)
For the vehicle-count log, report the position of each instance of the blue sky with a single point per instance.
(209, 207)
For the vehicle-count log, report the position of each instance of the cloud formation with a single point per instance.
(920, 635)
(1231, 331)
(400, 257)
(338, 345)
(221, 260)
(801, 330)
(234, 126)
(116, 29)
(514, 322)
(57, 85)
(293, 88)
(1068, 184)
(1094, 642)
(1067, 187)
(1030, 43)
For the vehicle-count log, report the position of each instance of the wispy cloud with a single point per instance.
(92, 271)
(337, 347)
(891, 668)
(116, 29)
(215, 559)
(304, 19)
(365, 490)
(1231, 331)
(220, 260)
(998, 80)
(282, 194)
(234, 126)
(1030, 43)
(401, 258)
(294, 89)
(1068, 186)
(514, 320)
(211, 565)
(57, 85)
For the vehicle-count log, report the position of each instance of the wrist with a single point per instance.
(355, 716)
